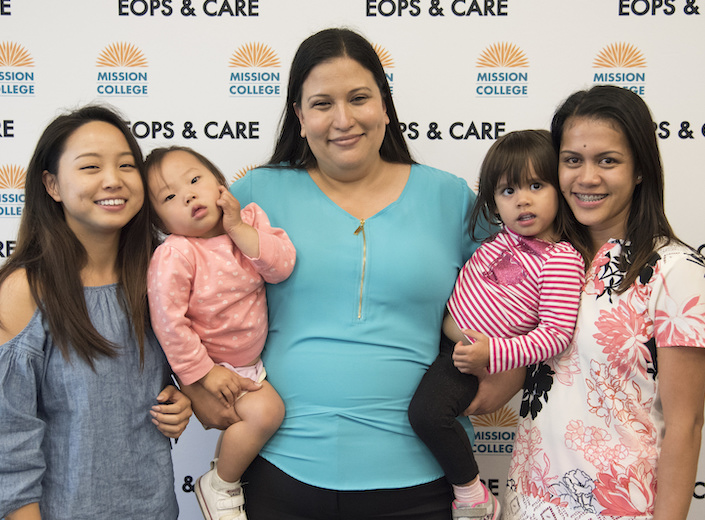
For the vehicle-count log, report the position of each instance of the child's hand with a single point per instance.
(231, 210)
(475, 357)
(223, 384)
(244, 236)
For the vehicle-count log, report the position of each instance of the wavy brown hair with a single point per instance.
(53, 257)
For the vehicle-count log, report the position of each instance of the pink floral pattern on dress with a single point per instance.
(590, 447)
(523, 457)
(565, 365)
(627, 491)
(681, 324)
(623, 334)
(607, 397)
(594, 443)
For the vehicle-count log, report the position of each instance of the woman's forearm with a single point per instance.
(677, 468)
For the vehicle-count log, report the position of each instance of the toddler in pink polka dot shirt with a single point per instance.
(208, 306)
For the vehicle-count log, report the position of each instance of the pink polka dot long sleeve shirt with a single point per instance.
(207, 299)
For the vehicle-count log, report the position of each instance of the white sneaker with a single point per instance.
(219, 504)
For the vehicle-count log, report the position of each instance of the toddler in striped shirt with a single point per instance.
(515, 303)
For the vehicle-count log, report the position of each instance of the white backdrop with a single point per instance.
(211, 74)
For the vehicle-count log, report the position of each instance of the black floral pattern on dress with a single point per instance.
(648, 270)
(644, 278)
(652, 366)
(697, 258)
(610, 275)
(538, 382)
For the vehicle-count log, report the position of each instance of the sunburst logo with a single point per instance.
(384, 56)
(387, 62)
(14, 55)
(508, 82)
(125, 81)
(619, 56)
(254, 81)
(121, 55)
(12, 179)
(503, 55)
(241, 172)
(505, 417)
(18, 81)
(254, 55)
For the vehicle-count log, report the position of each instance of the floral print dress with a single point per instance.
(590, 435)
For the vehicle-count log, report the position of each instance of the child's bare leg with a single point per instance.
(262, 413)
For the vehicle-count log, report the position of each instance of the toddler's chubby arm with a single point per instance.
(267, 248)
(495, 390)
(472, 358)
(243, 235)
(469, 358)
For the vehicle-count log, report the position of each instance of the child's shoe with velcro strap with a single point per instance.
(227, 504)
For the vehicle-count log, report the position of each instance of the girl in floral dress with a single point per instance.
(612, 426)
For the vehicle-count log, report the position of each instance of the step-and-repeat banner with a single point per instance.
(212, 74)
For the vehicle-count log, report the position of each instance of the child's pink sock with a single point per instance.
(471, 494)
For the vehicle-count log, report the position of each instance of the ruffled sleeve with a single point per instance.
(22, 462)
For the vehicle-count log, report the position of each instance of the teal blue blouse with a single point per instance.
(357, 324)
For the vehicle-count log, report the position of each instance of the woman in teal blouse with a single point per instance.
(380, 240)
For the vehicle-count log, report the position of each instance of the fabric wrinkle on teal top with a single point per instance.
(347, 361)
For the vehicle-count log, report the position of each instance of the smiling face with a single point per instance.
(529, 209)
(597, 177)
(342, 116)
(97, 183)
(183, 192)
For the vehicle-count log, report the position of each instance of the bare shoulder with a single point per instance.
(16, 305)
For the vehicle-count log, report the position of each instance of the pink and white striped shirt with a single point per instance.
(524, 294)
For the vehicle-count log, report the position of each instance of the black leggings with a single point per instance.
(443, 394)
(271, 494)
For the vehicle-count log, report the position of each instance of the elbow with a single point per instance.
(688, 430)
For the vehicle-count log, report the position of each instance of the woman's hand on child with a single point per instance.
(209, 410)
(496, 390)
(172, 414)
(472, 358)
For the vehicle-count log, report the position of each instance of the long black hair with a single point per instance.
(647, 225)
(52, 256)
(293, 150)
